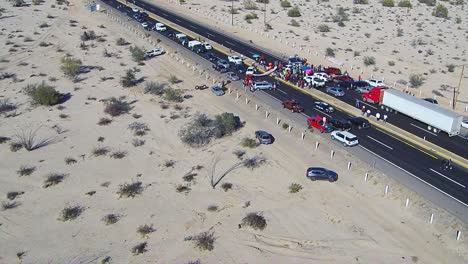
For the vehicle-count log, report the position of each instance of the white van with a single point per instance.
(180, 36)
(193, 43)
(262, 85)
(160, 27)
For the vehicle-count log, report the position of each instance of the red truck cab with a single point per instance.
(293, 105)
(374, 95)
(332, 70)
(317, 122)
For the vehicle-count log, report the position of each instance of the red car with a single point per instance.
(343, 78)
(317, 122)
(332, 70)
(293, 105)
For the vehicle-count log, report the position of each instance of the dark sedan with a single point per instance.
(359, 122)
(341, 124)
(317, 173)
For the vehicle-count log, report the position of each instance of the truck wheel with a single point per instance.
(333, 137)
(344, 144)
(312, 178)
(429, 128)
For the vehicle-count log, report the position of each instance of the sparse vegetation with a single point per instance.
(294, 23)
(226, 186)
(250, 5)
(294, 12)
(285, 3)
(88, 35)
(323, 28)
(118, 154)
(138, 128)
(3, 139)
(6, 106)
(254, 220)
(388, 3)
(116, 107)
(249, 142)
(405, 3)
(71, 213)
(155, 88)
(6, 205)
(111, 219)
(129, 79)
(450, 67)
(369, 60)
(440, 11)
(53, 179)
(104, 121)
(29, 139)
(70, 67)
(203, 241)
(138, 142)
(130, 190)
(183, 188)
(12, 195)
(139, 249)
(416, 80)
(121, 42)
(26, 170)
(212, 208)
(15, 146)
(42, 94)
(329, 52)
(173, 95)
(138, 54)
(239, 153)
(295, 187)
(70, 161)
(145, 230)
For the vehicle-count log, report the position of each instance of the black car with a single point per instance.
(318, 173)
(219, 68)
(359, 122)
(345, 84)
(211, 57)
(341, 124)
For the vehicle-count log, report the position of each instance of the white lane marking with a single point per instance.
(279, 90)
(385, 145)
(322, 112)
(178, 20)
(305, 115)
(423, 129)
(459, 184)
(192, 27)
(210, 35)
(229, 43)
(414, 176)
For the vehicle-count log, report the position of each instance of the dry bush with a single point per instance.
(15, 146)
(145, 230)
(10, 205)
(6, 106)
(70, 161)
(295, 187)
(138, 128)
(104, 121)
(30, 141)
(226, 186)
(3, 139)
(189, 177)
(121, 42)
(130, 190)
(416, 80)
(294, 12)
(239, 153)
(116, 107)
(53, 179)
(249, 142)
(70, 66)
(169, 164)
(13, 195)
(71, 213)
(174, 80)
(155, 88)
(42, 94)
(111, 219)
(254, 162)
(183, 189)
(254, 220)
(26, 170)
(118, 154)
(138, 54)
(100, 151)
(139, 249)
(212, 208)
(203, 241)
(173, 95)
(138, 142)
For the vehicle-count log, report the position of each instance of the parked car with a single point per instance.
(431, 100)
(359, 122)
(235, 59)
(343, 78)
(262, 85)
(322, 106)
(263, 137)
(332, 70)
(232, 76)
(345, 137)
(360, 85)
(318, 173)
(336, 91)
(293, 105)
(315, 81)
(145, 25)
(211, 57)
(375, 82)
(250, 71)
(217, 90)
(317, 122)
(295, 60)
(364, 89)
(322, 75)
(160, 27)
(344, 84)
(223, 63)
(341, 124)
(207, 45)
(219, 68)
(154, 52)
(464, 124)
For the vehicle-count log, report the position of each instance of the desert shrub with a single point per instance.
(173, 95)
(12, 195)
(70, 161)
(138, 142)
(6, 106)
(254, 220)
(169, 163)
(104, 121)
(323, 28)
(391, 63)
(36, 2)
(3, 139)
(416, 80)
(294, 23)
(250, 5)
(30, 141)
(130, 190)
(369, 60)
(88, 35)
(42, 94)
(405, 3)
(440, 11)
(212, 208)
(145, 230)
(173, 79)
(15, 146)
(138, 128)
(10, 205)
(204, 241)
(428, 2)
(450, 68)
(155, 88)
(116, 107)
(26, 170)
(111, 219)
(129, 79)
(249, 142)
(285, 3)
(295, 187)
(139, 249)
(70, 66)
(226, 186)
(388, 3)
(294, 12)
(399, 32)
(239, 153)
(225, 124)
(329, 52)
(100, 151)
(253, 162)
(250, 16)
(285, 125)
(53, 179)
(121, 42)
(361, 2)
(119, 154)
(138, 54)
(182, 188)
(189, 177)
(71, 212)
(18, 3)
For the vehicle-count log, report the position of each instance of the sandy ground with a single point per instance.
(342, 222)
(425, 46)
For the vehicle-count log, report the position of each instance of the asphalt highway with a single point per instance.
(408, 158)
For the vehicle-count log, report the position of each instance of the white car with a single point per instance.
(321, 75)
(135, 9)
(464, 124)
(160, 27)
(345, 137)
(250, 71)
(207, 45)
(235, 59)
(374, 82)
(144, 25)
(154, 52)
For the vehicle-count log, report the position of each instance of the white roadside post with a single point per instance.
(349, 165)
(366, 176)
(289, 128)
(237, 95)
(458, 235)
(332, 153)
(266, 114)
(316, 144)
(407, 203)
(432, 219)
(386, 190)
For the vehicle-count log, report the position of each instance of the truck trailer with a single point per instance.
(434, 116)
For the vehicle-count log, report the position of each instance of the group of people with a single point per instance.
(367, 112)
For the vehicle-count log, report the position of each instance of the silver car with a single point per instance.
(336, 91)
(232, 76)
(263, 137)
(317, 173)
(217, 90)
(262, 85)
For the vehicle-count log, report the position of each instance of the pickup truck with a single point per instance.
(293, 105)
(317, 122)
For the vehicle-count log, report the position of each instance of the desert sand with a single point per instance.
(343, 222)
(403, 41)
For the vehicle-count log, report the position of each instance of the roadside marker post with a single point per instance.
(246, 100)
(256, 107)
(332, 153)
(266, 114)
(407, 203)
(349, 165)
(237, 95)
(277, 120)
(458, 234)
(289, 128)
(386, 190)
(316, 144)
(432, 219)
(302, 135)
(366, 176)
